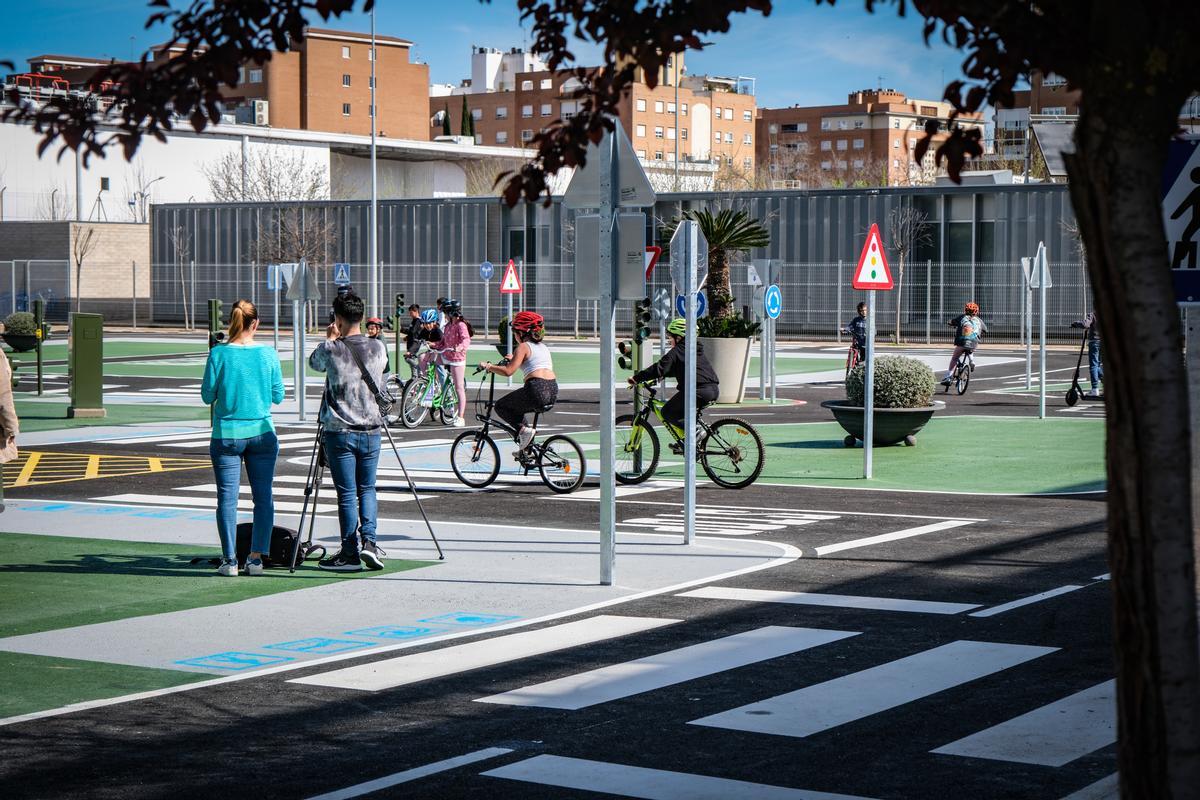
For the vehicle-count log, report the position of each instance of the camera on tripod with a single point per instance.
(342, 291)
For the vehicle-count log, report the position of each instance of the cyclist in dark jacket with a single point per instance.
(857, 328)
(672, 365)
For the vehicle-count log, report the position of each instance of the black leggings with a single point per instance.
(534, 394)
(673, 408)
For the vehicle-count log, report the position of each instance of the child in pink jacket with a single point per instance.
(456, 340)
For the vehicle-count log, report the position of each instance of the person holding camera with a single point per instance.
(350, 415)
(242, 380)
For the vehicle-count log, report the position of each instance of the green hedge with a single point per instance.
(900, 382)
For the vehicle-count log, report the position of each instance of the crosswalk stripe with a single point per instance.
(205, 434)
(282, 438)
(1053, 735)
(202, 502)
(626, 491)
(833, 600)
(615, 681)
(422, 486)
(288, 491)
(408, 669)
(836, 702)
(413, 774)
(1024, 601)
(1107, 788)
(651, 784)
(907, 533)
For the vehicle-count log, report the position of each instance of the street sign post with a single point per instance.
(689, 251)
(773, 307)
(341, 274)
(612, 179)
(1027, 319)
(1041, 279)
(510, 285)
(872, 274)
(283, 274)
(701, 305)
(303, 288)
(661, 309)
(486, 270)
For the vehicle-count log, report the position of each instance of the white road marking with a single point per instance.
(282, 438)
(804, 511)
(1053, 735)
(616, 681)
(287, 491)
(907, 533)
(171, 437)
(861, 694)
(1105, 577)
(404, 670)
(650, 784)
(170, 501)
(1024, 601)
(626, 491)
(833, 600)
(1104, 789)
(413, 774)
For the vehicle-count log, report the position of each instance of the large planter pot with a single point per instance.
(892, 425)
(731, 360)
(21, 342)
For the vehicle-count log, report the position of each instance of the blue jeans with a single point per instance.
(1095, 368)
(259, 453)
(353, 457)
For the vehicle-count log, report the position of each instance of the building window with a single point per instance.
(859, 144)
(717, 137)
(747, 116)
(345, 80)
(526, 112)
(1056, 111)
(345, 109)
(896, 163)
(728, 161)
(658, 132)
(1053, 80)
(670, 108)
(896, 124)
(826, 165)
(477, 114)
(241, 75)
(729, 113)
(658, 155)
(641, 154)
(912, 144)
(685, 109)
(728, 137)
(501, 137)
(826, 125)
(859, 124)
(546, 110)
(345, 52)
(774, 147)
(479, 138)
(256, 76)
(370, 82)
(717, 113)
(772, 128)
(501, 112)
(841, 124)
(841, 164)
(858, 163)
(526, 86)
(670, 133)
(895, 144)
(546, 83)
(683, 133)
(658, 106)
(826, 145)
(641, 104)
(842, 143)
(526, 135)
(747, 162)
(747, 139)
(640, 130)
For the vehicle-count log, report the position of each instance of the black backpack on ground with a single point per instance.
(279, 556)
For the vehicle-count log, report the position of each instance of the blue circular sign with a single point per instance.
(773, 301)
(486, 269)
(681, 305)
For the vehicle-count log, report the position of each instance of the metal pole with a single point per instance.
(596, 319)
(278, 278)
(78, 186)
(690, 258)
(298, 356)
(1042, 332)
(13, 273)
(763, 354)
(928, 297)
(576, 319)
(675, 58)
(774, 372)
(609, 206)
(838, 284)
(487, 309)
(373, 298)
(508, 348)
(192, 300)
(134, 265)
(869, 392)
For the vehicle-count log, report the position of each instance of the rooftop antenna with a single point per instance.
(879, 78)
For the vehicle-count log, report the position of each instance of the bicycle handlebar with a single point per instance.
(504, 362)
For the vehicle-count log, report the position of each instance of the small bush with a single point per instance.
(900, 382)
(20, 323)
(735, 326)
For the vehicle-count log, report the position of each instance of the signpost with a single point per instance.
(341, 274)
(773, 307)
(611, 180)
(1027, 319)
(687, 244)
(277, 274)
(1181, 215)
(486, 270)
(509, 286)
(1040, 280)
(701, 305)
(303, 287)
(872, 274)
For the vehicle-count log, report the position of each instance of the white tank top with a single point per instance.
(539, 358)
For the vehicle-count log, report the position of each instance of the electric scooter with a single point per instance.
(1076, 392)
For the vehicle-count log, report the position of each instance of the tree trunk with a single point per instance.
(899, 294)
(78, 286)
(1115, 178)
(718, 285)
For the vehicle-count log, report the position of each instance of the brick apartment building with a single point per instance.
(871, 138)
(1046, 100)
(712, 122)
(324, 84)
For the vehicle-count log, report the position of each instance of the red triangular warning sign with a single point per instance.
(872, 272)
(511, 284)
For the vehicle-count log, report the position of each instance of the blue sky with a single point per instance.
(802, 54)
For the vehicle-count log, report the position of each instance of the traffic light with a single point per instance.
(627, 359)
(215, 334)
(642, 314)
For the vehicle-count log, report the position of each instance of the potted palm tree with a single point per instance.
(724, 334)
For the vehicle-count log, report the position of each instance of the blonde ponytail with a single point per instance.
(240, 318)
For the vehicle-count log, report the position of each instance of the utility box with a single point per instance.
(85, 365)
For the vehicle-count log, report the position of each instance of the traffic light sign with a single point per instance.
(627, 358)
(215, 334)
(643, 312)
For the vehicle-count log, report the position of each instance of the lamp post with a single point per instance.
(675, 64)
(143, 193)
(373, 238)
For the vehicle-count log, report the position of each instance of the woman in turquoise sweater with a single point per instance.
(242, 380)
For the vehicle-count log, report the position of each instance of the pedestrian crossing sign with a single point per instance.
(341, 274)
(511, 284)
(872, 272)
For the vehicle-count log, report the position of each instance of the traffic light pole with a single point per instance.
(214, 336)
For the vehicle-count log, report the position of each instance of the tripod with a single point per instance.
(312, 488)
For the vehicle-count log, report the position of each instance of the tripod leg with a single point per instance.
(308, 487)
(416, 497)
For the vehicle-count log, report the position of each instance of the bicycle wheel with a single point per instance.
(449, 407)
(412, 413)
(732, 454)
(475, 459)
(636, 450)
(851, 360)
(962, 376)
(395, 387)
(561, 464)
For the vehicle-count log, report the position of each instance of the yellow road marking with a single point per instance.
(93, 467)
(39, 468)
(27, 470)
(155, 464)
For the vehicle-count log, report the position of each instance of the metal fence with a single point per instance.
(818, 298)
(23, 281)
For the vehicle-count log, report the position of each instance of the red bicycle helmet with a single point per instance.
(526, 321)
(375, 321)
(972, 308)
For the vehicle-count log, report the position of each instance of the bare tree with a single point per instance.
(83, 242)
(181, 245)
(907, 230)
(481, 176)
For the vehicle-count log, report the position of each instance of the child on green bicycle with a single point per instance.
(672, 365)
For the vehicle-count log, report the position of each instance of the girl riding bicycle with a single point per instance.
(672, 365)
(456, 340)
(532, 357)
(968, 326)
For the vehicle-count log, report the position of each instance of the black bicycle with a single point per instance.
(475, 457)
(730, 449)
(960, 376)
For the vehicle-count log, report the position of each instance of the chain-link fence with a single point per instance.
(23, 281)
(818, 298)
(119, 290)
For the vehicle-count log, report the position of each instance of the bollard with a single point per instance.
(85, 366)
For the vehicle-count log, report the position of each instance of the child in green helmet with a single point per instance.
(672, 365)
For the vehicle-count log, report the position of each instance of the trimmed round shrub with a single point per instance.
(900, 382)
(20, 323)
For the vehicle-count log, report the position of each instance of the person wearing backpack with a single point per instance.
(352, 420)
(242, 380)
(968, 327)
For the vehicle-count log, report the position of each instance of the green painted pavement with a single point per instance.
(39, 416)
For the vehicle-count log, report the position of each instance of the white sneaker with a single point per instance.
(254, 566)
(525, 437)
(1092, 393)
(228, 569)
(459, 422)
